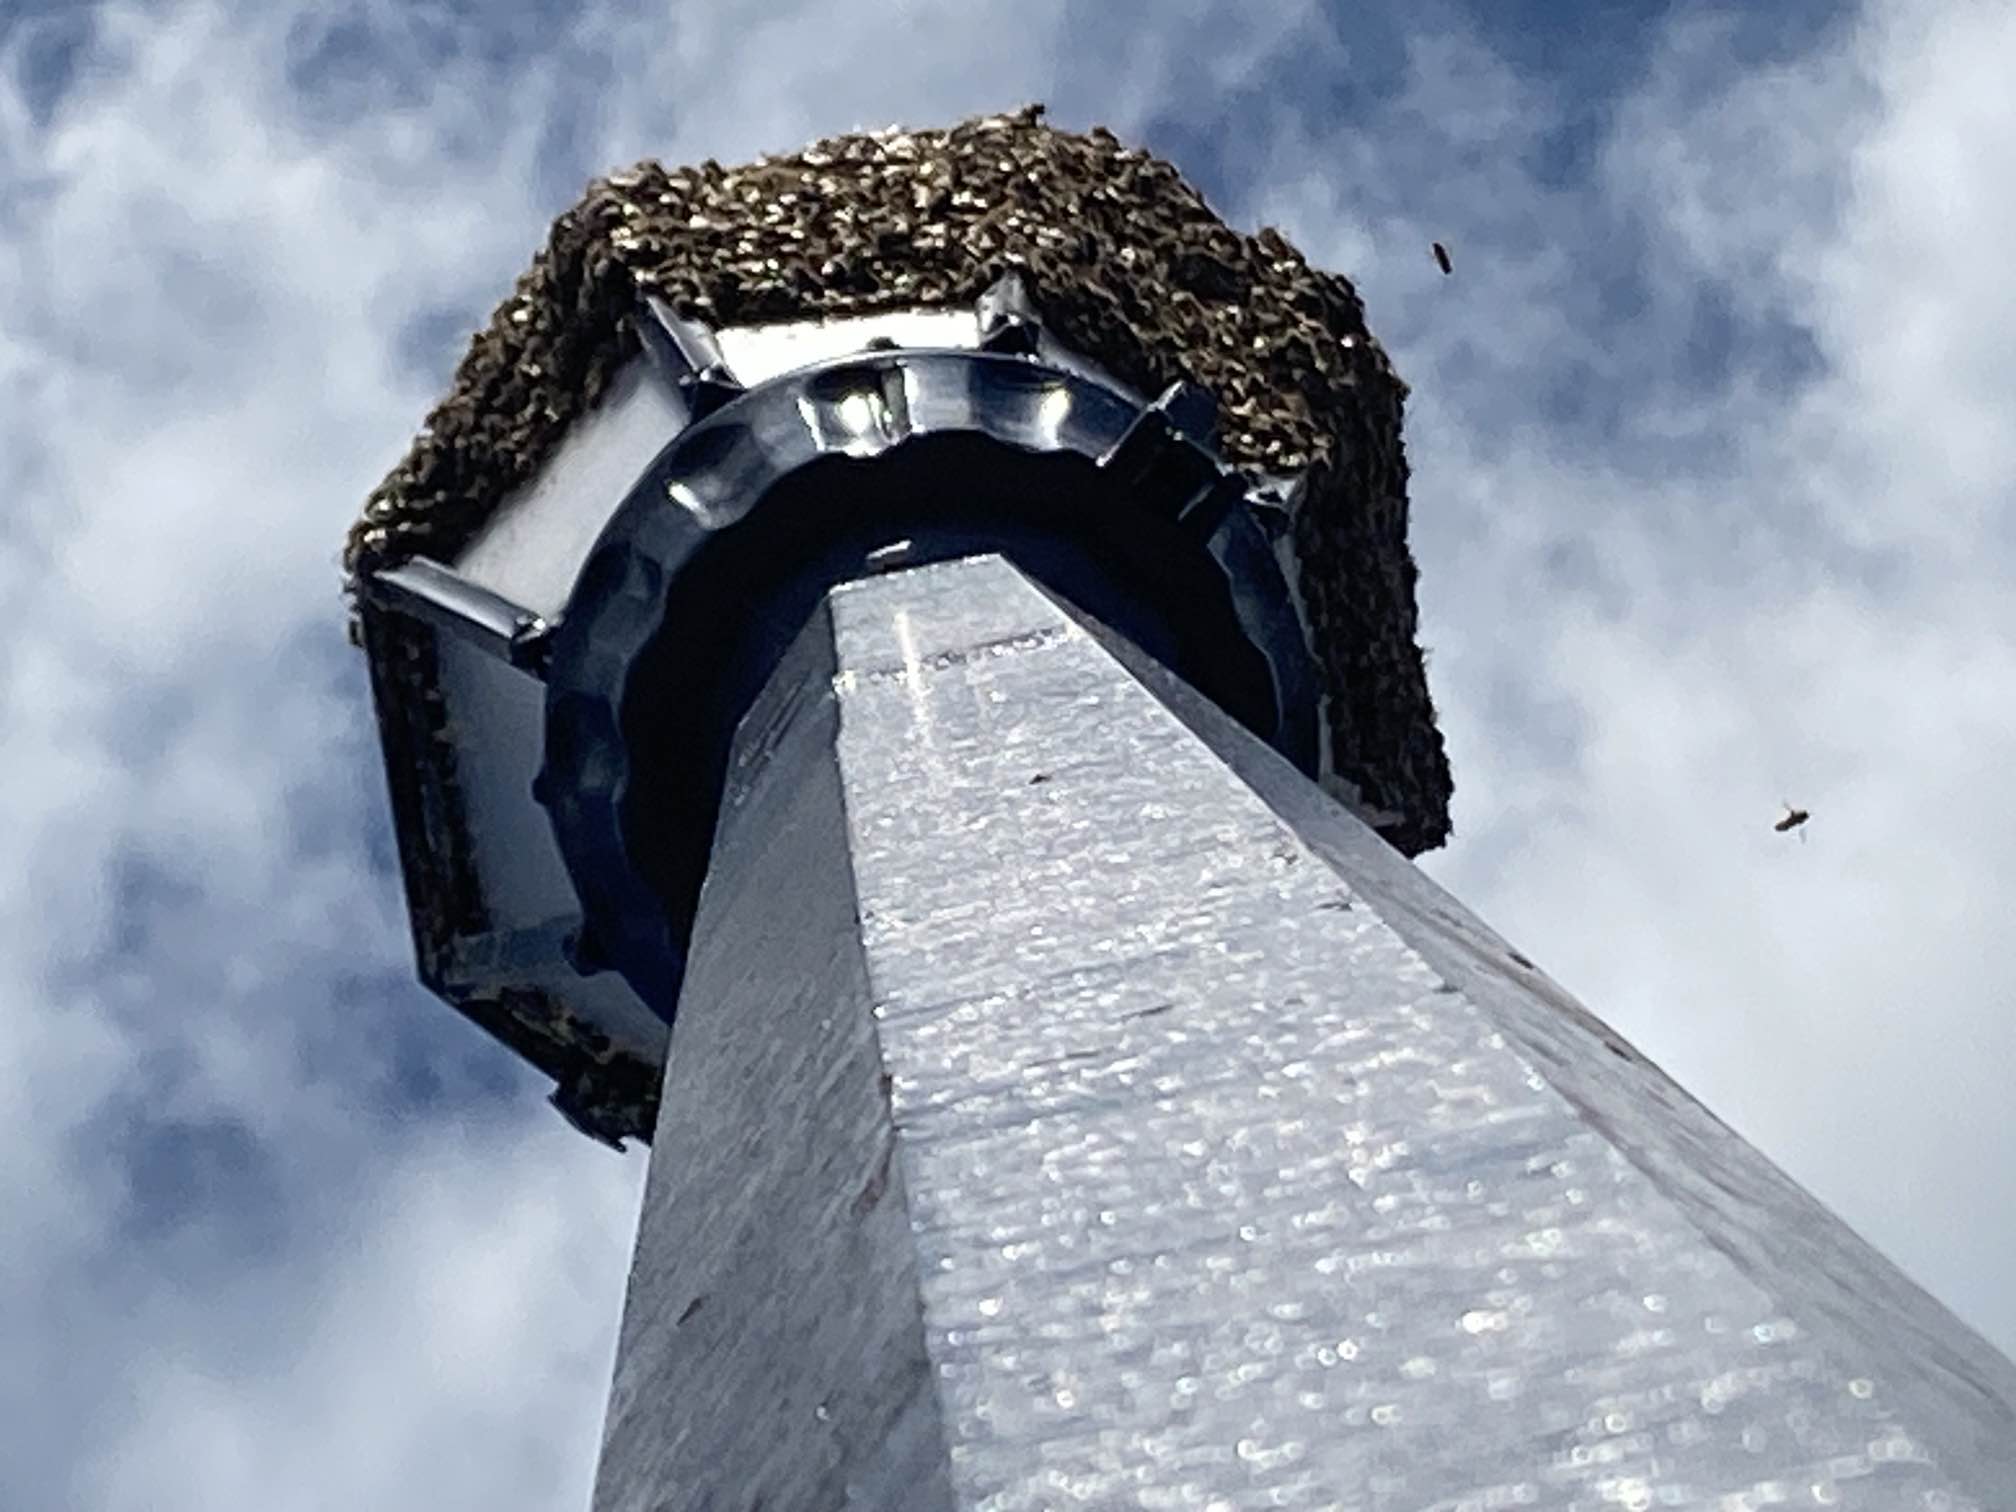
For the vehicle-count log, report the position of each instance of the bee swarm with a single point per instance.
(1127, 265)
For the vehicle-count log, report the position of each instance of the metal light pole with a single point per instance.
(930, 619)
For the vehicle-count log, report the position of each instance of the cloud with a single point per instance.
(1804, 601)
(434, 1346)
(1711, 501)
(241, 1133)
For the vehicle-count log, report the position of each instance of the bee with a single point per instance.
(1442, 257)
(1794, 817)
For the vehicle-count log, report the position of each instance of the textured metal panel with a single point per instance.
(487, 891)
(1243, 1167)
(1954, 1387)
(531, 548)
(772, 1352)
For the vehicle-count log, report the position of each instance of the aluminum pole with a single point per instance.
(1069, 1104)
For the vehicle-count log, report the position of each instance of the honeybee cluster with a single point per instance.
(1126, 263)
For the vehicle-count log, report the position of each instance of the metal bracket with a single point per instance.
(1009, 322)
(438, 596)
(688, 356)
(1276, 499)
(1165, 457)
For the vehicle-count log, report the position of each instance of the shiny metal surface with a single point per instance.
(444, 599)
(772, 1351)
(1237, 1165)
(734, 534)
(531, 547)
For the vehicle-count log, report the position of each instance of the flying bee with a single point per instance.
(1794, 817)
(1442, 257)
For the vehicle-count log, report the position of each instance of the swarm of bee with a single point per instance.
(1128, 265)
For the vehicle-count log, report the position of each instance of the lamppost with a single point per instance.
(929, 619)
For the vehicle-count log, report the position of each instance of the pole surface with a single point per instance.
(1069, 1105)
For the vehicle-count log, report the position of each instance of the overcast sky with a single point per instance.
(1712, 498)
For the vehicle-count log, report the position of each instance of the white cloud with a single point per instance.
(1813, 609)
(1667, 585)
(436, 1351)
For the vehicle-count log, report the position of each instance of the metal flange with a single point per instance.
(723, 549)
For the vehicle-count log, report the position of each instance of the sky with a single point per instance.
(1712, 500)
